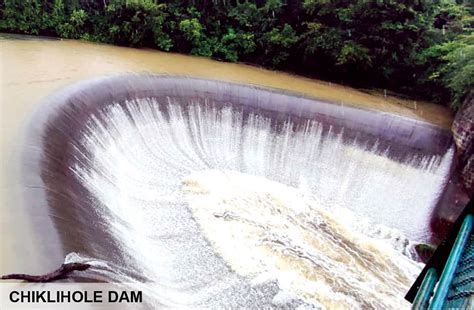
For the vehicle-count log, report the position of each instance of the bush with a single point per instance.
(449, 70)
(459, 77)
(135, 23)
(277, 44)
(74, 27)
(26, 17)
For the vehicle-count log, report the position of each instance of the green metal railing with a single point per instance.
(447, 277)
(426, 289)
(455, 287)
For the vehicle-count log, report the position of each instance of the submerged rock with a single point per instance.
(424, 251)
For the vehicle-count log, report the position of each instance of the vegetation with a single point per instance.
(422, 48)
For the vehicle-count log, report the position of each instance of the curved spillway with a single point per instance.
(265, 198)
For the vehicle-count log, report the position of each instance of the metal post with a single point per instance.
(426, 289)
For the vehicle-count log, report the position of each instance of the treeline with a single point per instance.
(422, 48)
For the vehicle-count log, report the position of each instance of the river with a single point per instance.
(34, 68)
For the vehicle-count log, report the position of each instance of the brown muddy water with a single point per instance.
(98, 147)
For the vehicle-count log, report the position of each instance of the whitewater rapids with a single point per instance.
(218, 207)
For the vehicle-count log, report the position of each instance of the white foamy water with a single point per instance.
(221, 210)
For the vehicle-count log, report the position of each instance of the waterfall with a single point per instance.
(221, 206)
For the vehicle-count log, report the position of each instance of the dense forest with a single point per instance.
(421, 48)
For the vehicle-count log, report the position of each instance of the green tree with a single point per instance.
(417, 47)
(23, 16)
(277, 44)
(133, 23)
(73, 28)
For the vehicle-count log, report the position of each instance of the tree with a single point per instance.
(411, 46)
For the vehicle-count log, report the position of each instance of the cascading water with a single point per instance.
(222, 205)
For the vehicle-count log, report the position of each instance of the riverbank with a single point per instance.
(31, 70)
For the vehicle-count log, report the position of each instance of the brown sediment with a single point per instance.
(56, 63)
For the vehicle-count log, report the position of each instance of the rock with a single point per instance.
(424, 251)
(463, 134)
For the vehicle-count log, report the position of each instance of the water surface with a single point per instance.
(165, 157)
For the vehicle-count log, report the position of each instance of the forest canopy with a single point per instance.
(420, 48)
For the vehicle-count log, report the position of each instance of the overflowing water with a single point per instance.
(162, 184)
(218, 207)
(29, 77)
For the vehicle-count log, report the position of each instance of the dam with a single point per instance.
(267, 197)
